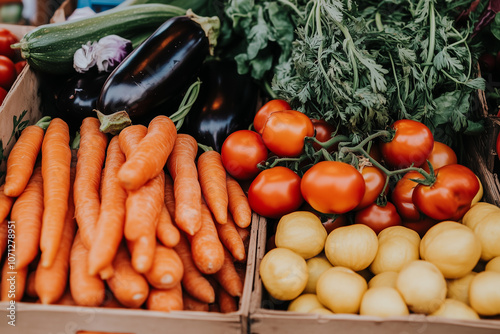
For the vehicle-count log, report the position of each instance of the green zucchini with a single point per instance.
(50, 47)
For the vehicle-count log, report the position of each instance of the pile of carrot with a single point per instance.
(143, 219)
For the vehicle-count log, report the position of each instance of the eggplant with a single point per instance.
(77, 98)
(227, 102)
(159, 69)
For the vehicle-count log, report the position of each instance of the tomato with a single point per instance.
(441, 155)
(19, 66)
(450, 195)
(374, 184)
(3, 94)
(332, 187)
(7, 72)
(333, 223)
(420, 226)
(263, 113)
(285, 131)
(7, 38)
(275, 192)
(241, 152)
(323, 131)
(402, 196)
(412, 143)
(378, 217)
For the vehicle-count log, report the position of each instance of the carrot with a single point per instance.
(4, 235)
(66, 299)
(87, 290)
(130, 137)
(148, 159)
(167, 269)
(111, 220)
(143, 207)
(193, 280)
(244, 233)
(128, 286)
(142, 252)
(56, 162)
(22, 158)
(13, 282)
(212, 177)
(231, 239)
(226, 302)
(238, 203)
(187, 192)
(166, 231)
(169, 195)
(166, 300)
(91, 153)
(6, 203)
(192, 304)
(27, 212)
(206, 247)
(228, 276)
(51, 282)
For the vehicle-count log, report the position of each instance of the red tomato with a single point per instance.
(402, 196)
(241, 152)
(332, 187)
(7, 38)
(333, 223)
(374, 184)
(441, 155)
(19, 66)
(378, 217)
(7, 72)
(420, 226)
(323, 132)
(285, 131)
(412, 143)
(3, 94)
(449, 197)
(263, 113)
(275, 192)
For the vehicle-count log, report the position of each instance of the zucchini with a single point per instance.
(50, 47)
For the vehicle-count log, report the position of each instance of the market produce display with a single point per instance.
(167, 125)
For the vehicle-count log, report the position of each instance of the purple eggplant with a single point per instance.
(158, 70)
(226, 102)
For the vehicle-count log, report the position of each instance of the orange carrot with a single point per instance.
(166, 231)
(91, 153)
(87, 290)
(66, 299)
(238, 203)
(212, 177)
(231, 239)
(228, 277)
(169, 195)
(22, 158)
(187, 192)
(51, 282)
(192, 304)
(4, 234)
(130, 137)
(142, 252)
(128, 286)
(148, 159)
(193, 280)
(167, 269)
(244, 235)
(27, 212)
(56, 162)
(166, 300)
(6, 203)
(13, 282)
(111, 221)
(143, 207)
(206, 247)
(226, 302)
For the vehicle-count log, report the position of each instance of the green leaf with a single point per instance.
(495, 26)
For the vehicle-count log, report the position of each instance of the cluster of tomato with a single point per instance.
(11, 63)
(417, 197)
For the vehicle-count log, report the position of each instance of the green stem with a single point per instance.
(432, 36)
(186, 104)
(320, 49)
(327, 144)
(44, 122)
(293, 7)
(205, 148)
(403, 109)
(75, 144)
(350, 46)
(378, 21)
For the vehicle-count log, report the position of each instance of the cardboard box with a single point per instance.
(268, 315)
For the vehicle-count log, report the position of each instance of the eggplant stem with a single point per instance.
(113, 123)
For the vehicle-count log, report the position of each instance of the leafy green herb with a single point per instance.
(18, 126)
